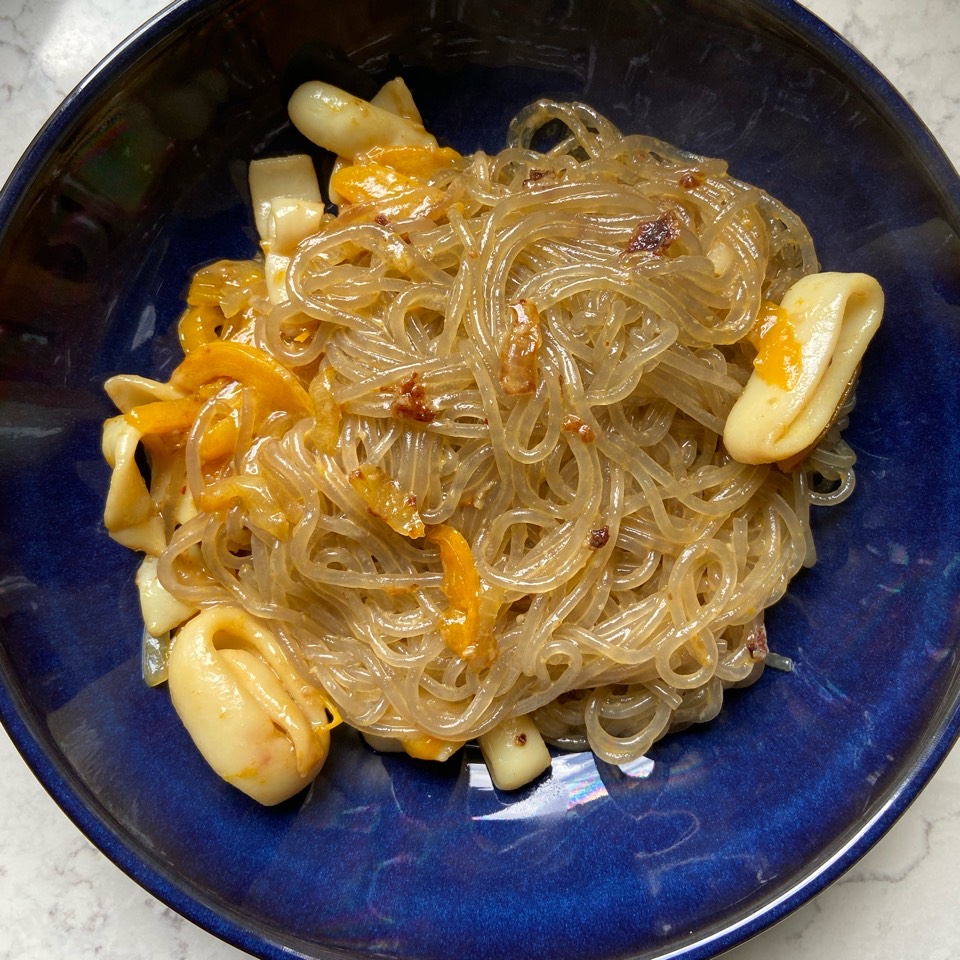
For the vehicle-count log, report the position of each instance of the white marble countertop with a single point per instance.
(60, 898)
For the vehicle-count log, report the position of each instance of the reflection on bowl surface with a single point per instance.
(141, 177)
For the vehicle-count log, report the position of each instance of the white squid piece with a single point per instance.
(350, 126)
(127, 391)
(161, 610)
(292, 221)
(258, 723)
(514, 753)
(396, 97)
(291, 177)
(834, 316)
(129, 514)
(287, 207)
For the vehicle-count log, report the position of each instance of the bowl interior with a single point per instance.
(141, 177)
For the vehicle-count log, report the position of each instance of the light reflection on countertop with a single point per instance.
(60, 898)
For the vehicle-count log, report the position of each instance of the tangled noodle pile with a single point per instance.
(459, 452)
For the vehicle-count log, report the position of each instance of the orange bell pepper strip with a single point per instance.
(220, 440)
(163, 416)
(460, 622)
(386, 500)
(276, 387)
(227, 284)
(393, 194)
(361, 182)
(198, 325)
(426, 747)
(222, 494)
(779, 358)
(414, 161)
(328, 412)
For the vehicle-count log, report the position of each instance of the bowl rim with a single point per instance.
(124, 849)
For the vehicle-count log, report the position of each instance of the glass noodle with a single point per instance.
(624, 557)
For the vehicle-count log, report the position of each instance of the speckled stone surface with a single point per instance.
(61, 898)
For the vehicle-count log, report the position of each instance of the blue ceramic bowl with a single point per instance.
(140, 177)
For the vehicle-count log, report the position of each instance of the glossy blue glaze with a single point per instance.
(140, 177)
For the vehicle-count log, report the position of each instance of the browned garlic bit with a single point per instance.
(519, 349)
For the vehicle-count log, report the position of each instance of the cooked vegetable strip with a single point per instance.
(153, 659)
(199, 325)
(419, 163)
(222, 494)
(328, 412)
(368, 181)
(426, 747)
(393, 195)
(219, 440)
(227, 284)
(394, 179)
(164, 416)
(276, 386)
(386, 500)
(779, 358)
(220, 300)
(460, 622)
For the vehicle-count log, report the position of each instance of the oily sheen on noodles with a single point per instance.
(624, 558)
